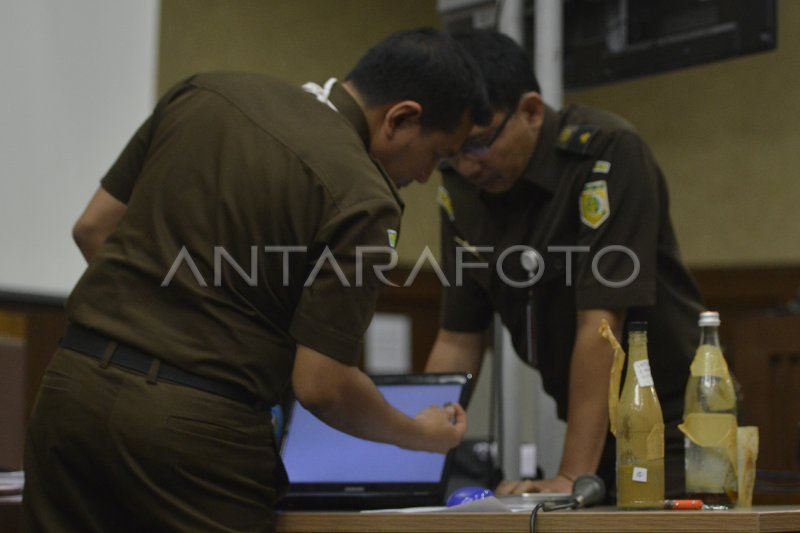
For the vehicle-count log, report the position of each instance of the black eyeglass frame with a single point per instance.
(481, 149)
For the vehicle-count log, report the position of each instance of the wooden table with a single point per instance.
(595, 520)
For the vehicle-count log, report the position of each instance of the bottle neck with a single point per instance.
(709, 335)
(637, 347)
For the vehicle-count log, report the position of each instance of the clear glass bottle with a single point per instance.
(709, 421)
(640, 431)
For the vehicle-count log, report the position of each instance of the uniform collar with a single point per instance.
(347, 106)
(349, 109)
(541, 169)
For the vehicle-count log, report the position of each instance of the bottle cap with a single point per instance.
(637, 326)
(708, 318)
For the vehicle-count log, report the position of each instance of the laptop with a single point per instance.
(329, 469)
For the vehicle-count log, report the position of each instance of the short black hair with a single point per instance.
(505, 66)
(429, 67)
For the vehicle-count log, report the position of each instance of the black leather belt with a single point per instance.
(98, 346)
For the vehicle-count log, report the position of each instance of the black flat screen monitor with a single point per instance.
(329, 469)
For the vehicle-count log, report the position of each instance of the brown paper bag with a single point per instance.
(747, 453)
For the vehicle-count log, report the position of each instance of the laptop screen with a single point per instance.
(322, 459)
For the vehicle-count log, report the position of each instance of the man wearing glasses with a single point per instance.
(582, 189)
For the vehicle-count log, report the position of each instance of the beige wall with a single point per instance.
(299, 41)
(727, 134)
(728, 140)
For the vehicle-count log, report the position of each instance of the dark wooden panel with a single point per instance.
(743, 291)
(12, 402)
(766, 350)
(44, 322)
(734, 292)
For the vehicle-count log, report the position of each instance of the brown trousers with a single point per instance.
(108, 451)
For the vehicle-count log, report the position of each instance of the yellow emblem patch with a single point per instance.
(601, 167)
(566, 133)
(443, 199)
(392, 237)
(584, 137)
(594, 205)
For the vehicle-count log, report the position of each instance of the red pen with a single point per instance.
(682, 505)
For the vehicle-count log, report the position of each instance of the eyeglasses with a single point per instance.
(477, 149)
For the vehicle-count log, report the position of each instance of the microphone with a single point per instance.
(531, 261)
(588, 490)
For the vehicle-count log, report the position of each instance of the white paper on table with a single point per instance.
(486, 505)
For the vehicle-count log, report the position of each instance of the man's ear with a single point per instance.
(400, 116)
(531, 109)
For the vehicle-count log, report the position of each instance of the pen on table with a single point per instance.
(681, 505)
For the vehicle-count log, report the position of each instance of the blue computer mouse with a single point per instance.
(468, 494)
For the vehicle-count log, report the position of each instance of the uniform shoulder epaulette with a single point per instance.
(577, 139)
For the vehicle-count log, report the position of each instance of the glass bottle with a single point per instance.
(709, 421)
(640, 431)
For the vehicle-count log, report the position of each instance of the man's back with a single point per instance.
(228, 165)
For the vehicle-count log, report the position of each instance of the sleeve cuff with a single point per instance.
(326, 340)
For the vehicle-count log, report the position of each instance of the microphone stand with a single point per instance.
(496, 408)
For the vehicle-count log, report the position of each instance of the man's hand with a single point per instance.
(445, 425)
(346, 399)
(557, 484)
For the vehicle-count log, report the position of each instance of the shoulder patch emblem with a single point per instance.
(443, 199)
(601, 167)
(565, 135)
(594, 205)
(576, 139)
(392, 236)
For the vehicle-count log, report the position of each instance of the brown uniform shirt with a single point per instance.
(591, 183)
(227, 165)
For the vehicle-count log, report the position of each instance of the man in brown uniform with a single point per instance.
(225, 265)
(582, 189)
